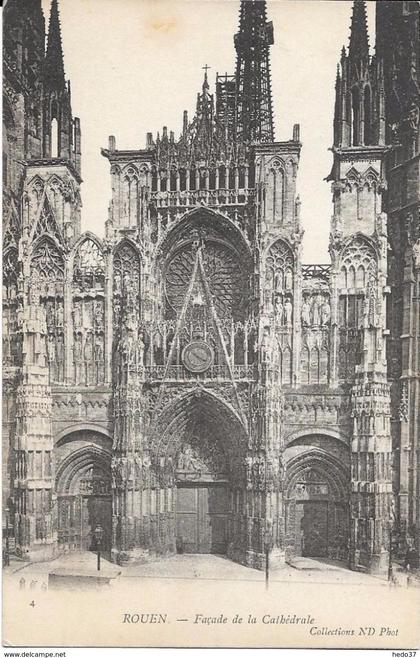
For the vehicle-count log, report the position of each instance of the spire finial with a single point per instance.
(205, 83)
(54, 61)
(359, 39)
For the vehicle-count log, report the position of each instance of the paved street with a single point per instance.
(187, 567)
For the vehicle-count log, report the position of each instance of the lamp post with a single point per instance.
(99, 533)
(267, 548)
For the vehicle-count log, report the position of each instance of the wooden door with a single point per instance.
(201, 519)
(217, 518)
(314, 524)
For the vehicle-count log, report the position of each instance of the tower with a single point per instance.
(398, 51)
(254, 115)
(42, 220)
(358, 247)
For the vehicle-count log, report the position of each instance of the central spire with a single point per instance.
(254, 116)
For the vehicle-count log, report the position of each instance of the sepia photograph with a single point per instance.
(211, 323)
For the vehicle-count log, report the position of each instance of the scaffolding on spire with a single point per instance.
(254, 115)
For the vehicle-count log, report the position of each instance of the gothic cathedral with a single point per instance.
(187, 382)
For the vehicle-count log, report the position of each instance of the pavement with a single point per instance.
(71, 566)
(188, 567)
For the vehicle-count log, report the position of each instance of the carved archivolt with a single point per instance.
(211, 423)
(85, 471)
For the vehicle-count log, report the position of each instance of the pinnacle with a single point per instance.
(54, 61)
(359, 39)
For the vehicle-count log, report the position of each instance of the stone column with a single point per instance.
(35, 518)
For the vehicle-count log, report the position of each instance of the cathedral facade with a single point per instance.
(187, 382)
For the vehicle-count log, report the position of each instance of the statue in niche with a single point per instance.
(99, 314)
(60, 357)
(325, 312)
(88, 358)
(288, 312)
(140, 349)
(51, 354)
(289, 280)
(279, 310)
(282, 468)
(77, 315)
(268, 279)
(269, 302)
(34, 293)
(117, 283)
(59, 315)
(306, 312)
(316, 310)
(99, 358)
(50, 315)
(416, 254)
(266, 345)
(137, 466)
(88, 316)
(188, 460)
(77, 355)
(278, 281)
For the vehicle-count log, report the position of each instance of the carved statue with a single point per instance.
(268, 279)
(60, 357)
(279, 310)
(278, 281)
(99, 314)
(306, 312)
(77, 314)
(266, 345)
(325, 313)
(59, 315)
(289, 280)
(87, 316)
(117, 283)
(51, 348)
(288, 311)
(416, 254)
(269, 302)
(99, 349)
(140, 349)
(316, 310)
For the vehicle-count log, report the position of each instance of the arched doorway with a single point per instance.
(83, 486)
(316, 501)
(199, 453)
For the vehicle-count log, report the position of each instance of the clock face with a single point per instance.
(197, 356)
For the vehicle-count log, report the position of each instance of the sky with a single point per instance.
(135, 65)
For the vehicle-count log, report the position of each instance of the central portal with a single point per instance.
(201, 518)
